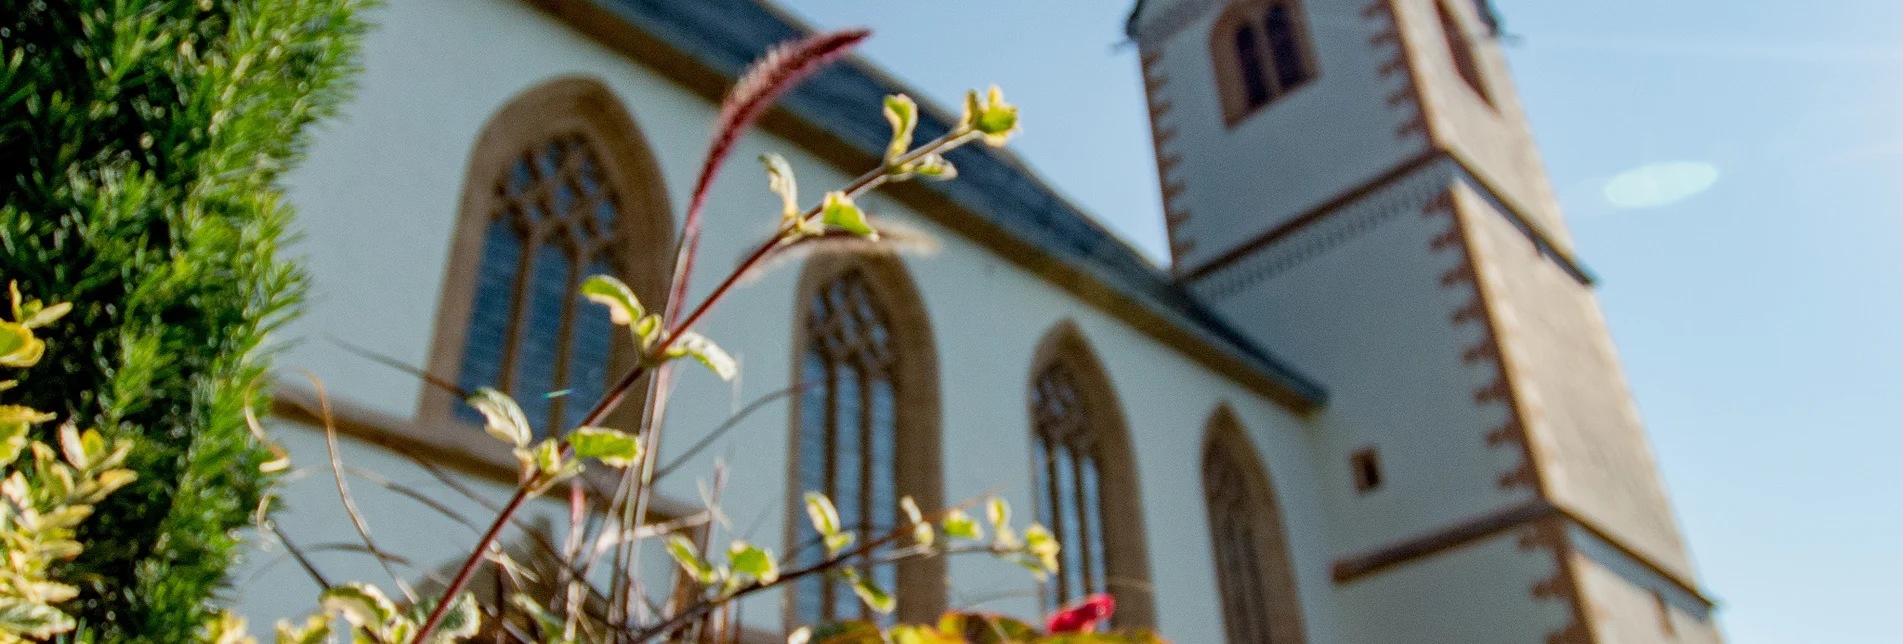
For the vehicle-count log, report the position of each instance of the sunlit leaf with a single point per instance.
(992, 117)
(875, 598)
(708, 353)
(779, 179)
(18, 346)
(623, 307)
(922, 532)
(848, 632)
(47, 315)
(684, 553)
(933, 166)
(612, 447)
(463, 619)
(998, 511)
(911, 634)
(959, 525)
(837, 541)
(753, 562)
(363, 605)
(902, 113)
(315, 630)
(840, 212)
(825, 517)
(503, 417)
(1042, 544)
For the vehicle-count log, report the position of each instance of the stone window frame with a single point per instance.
(921, 590)
(1231, 84)
(1238, 491)
(1125, 557)
(578, 108)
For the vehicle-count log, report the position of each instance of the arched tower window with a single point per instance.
(560, 186)
(1255, 577)
(1460, 45)
(1085, 480)
(1261, 52)
(865, 427)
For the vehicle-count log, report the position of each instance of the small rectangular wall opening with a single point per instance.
(1365, 466)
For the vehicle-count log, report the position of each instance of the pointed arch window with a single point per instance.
(1461, 46)
(864, 428)
(1085, 481)
(560, 186)
(1261, 52)
(1255, 578)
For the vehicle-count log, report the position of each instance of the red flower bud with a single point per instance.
(1082, 617)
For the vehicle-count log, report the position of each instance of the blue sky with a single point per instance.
(1758, 320)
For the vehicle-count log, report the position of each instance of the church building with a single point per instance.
(1371, 400)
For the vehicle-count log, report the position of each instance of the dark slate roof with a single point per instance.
(726, 35)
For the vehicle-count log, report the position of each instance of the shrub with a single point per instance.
(142, 142)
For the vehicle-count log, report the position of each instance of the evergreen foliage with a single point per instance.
(141, 142)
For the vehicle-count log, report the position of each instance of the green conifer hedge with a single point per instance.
(141, 142)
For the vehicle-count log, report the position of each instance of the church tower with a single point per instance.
(1353, 184)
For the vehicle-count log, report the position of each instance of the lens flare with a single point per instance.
(1659, 184)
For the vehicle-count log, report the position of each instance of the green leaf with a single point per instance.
(922, 532)
(837, 541)
(992, 117)
(933, 166)
(911, 634)
(316, 630)
(998, 511)
(902, 113)
(462, 620)
(839, 212)
(363, 605)
(875, 598)
(694, 344)
(850, 632)
(959, 525)
(612, 447)
(985, 628)
(825, 517)
(623, 307)
(16, 424)
(504, 418)
(779, 179)
(688, 556)
(18, 347)
(753, 562)
(548, 621)
(1042, 544)
(47, 315)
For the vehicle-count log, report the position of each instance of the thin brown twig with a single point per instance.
(343, 489)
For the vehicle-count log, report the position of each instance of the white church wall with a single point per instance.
(379, 197)
(1358, 302)
(1475, 594)
(1333, 133)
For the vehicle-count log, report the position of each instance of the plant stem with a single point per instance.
(869, 180)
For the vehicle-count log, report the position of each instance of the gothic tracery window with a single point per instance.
(848, 434)
(529, 333)
(1254, 576)
(1261, 53)
(864, 430)
(1084, 481)
(1068, 484)
(560, 186)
